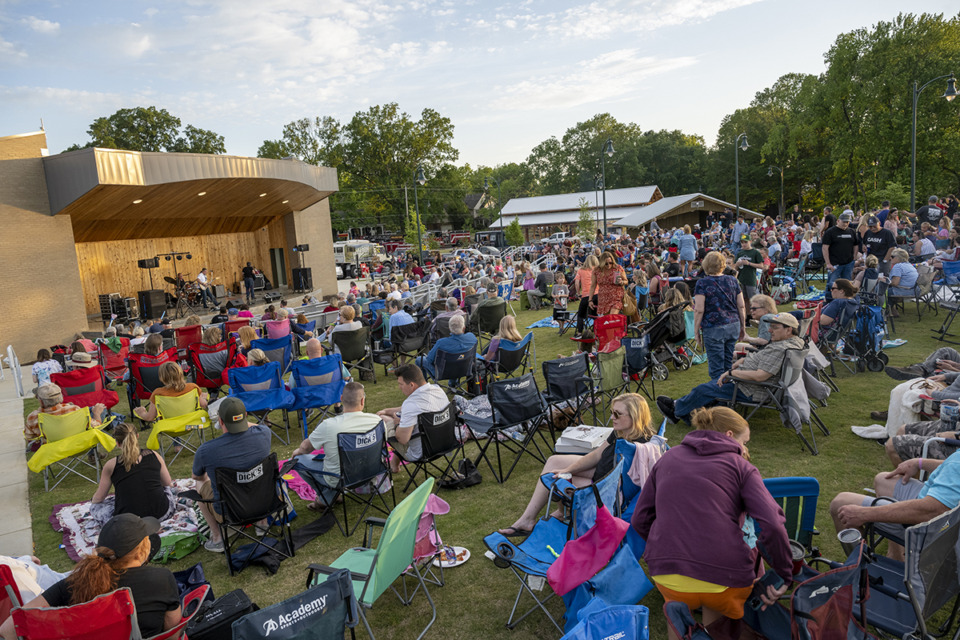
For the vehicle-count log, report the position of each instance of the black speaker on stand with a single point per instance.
(153, 303)
(303, 279)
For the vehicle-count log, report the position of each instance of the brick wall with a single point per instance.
(38, 262)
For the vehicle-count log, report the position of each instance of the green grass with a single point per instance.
(478, 596)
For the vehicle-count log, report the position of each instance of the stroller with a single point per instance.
(664, 333)
(864, 341)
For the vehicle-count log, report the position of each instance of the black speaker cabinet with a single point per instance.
(303, 279)
(153, 303)
(149, 263)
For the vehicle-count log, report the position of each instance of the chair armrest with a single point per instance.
(368, 531)
(314, 569)
(193, 494)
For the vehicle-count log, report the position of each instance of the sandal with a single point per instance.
(514, 532)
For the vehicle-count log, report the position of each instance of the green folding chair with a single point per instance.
(374, 570)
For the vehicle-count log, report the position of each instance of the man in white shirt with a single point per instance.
(394, 292)
(401, 422)
(206, 288)
(352, 420)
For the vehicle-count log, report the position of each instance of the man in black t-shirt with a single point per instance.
(249, 275)
(841, 246)
(930, 212)
(748, 261)
(673, 266)
(879, 242)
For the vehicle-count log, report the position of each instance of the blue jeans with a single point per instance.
(305, 464)
(248, 284)
(844, 271)
(702, 395)
(719, 342)
(207, 294)
(421, 362)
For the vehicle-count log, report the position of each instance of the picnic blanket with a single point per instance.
(80, 530)
(814, 294)
(546, 323)
(890, 344)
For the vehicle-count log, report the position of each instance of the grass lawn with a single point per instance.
(478, 596)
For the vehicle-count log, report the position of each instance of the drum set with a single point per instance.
(186, 294)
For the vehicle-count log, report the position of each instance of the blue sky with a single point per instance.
(509, 75)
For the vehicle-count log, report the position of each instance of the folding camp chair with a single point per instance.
(181, 421)
(363, 465)
(231, 327)
(512, 358)
(323, 611)
(190, 605)
(608, 383)
(437, 431)
(246, 497)
(905, 596)
(114, 363)
(10, 597)
(488, 320)
(456, 372)
(639, 364)
(406, 341)
(922, 291)
(832, 336)
(373, 570)
(607, 329)
(797, 497)
(278, 350)
(308, 327)
(949, 300)
(777, 396)
(566, 385)
(209, 363)
(111, 616)
(86, 387)
(505, 291)
(317, 387)
(275, 329)
(68, 438)
(355, 351)
(530, 559)
(145, 375)
(262, 390)
(518, 407)
(186, 336)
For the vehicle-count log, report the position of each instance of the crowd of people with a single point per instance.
(719, 270)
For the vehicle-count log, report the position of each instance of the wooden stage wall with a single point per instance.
(111, 267)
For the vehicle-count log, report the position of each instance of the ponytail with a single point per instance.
(93, 576)
(128, 436)
(721, 420)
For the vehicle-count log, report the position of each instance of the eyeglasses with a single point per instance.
(755, 308)
(834, 288)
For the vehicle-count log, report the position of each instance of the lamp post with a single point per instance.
(769, 174)
(486, 185)
(607, 150)
(949, 94)
(737, 148)
(418, 178)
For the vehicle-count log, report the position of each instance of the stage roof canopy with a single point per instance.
(112, 194)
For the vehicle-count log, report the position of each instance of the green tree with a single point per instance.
(150, 129)
(586, 227)
(514, 234)
(410, 235)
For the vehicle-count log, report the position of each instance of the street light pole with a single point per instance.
(770, 173)
(486, 185)
(737, 147)
(418, 178)
(607, 150)
(949, 94)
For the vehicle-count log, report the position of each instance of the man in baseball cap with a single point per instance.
(760, 366)
(242, 446)
(841, 247)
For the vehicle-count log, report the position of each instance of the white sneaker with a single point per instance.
(213, 547)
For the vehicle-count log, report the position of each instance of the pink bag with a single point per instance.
(583, 557)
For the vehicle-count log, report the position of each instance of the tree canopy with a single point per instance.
(150, 129)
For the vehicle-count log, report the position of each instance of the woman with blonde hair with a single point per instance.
(257, 358)
(607, 286)
(700, 498)
(761, 306)
(142, 484)
(631, 421)
(174, 385)
(719, 314)
(582, 283)
(247, 335)
(507, 331)
(211, 336)
(687, 248)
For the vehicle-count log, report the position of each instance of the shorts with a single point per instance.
(206, 492)
(910, 445)
(391, 434)
(901, 492)
(728, 603)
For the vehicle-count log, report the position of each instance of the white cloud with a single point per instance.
(42, 26)
(602, 79)
(10, 52)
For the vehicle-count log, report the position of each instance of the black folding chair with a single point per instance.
(408, 341)
(488, 319)
(517, 406)
(437, 431)
(355, 350)
(567, 384)
(456, 372)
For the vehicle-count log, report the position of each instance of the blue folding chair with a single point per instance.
(261, 390)
(317, 386)
(798, 497)
(309, 326)
(279, 350)
(505, 291)
(512, 356)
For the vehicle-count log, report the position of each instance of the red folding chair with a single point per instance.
(10, 598)
(114, 364)
(609, 329)
(145, 375)
(108, 617)
(85, 387)
(210, 363)
(233, 326)
(191, 604)
(186, 336)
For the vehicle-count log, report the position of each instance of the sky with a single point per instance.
(509, 75)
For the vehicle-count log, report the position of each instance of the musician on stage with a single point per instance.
(204, 281)
(249, 275)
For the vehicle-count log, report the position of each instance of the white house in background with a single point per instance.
(542, 216)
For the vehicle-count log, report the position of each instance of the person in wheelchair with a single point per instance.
(631, 420)
(914, 501)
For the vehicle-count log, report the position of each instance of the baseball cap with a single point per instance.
(744, 238)
(233, 415)
(786, 320)
(872, 220)
(847, 215)
(492, 288)
(50, 393)
(124, 532)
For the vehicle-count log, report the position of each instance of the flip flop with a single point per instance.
(515, 532)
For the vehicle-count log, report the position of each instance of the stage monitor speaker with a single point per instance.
(219, 291)
(149, 263)
(303, 279)
(153, 303)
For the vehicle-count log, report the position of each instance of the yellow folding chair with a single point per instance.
(67, 440)
(178, 418)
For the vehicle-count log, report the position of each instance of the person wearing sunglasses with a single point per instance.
(631, 421)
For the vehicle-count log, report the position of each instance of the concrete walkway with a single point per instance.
(16, 534)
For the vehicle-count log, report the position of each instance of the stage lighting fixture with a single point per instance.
(168, 258)
(189, 257)
(179, 257)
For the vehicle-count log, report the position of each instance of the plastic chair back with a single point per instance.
(111, 616)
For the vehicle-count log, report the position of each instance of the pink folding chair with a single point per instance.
(277, 328)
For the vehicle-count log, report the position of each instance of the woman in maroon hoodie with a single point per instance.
(692, 510)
